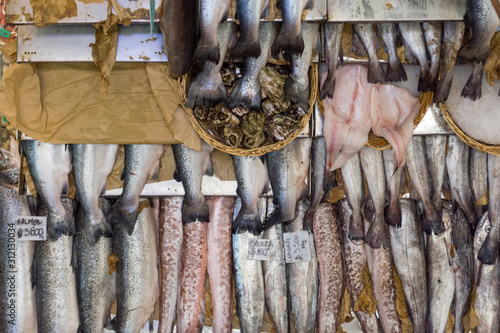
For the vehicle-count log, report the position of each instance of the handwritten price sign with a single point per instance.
(263, 249)
(296, 246)
(31, 228)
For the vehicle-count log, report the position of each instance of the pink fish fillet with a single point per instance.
(191, 290)
(220, 261)
(393, 110)
(350, 112)
(170, 243)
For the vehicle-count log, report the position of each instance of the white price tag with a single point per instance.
(31, 228)
(263, 249)
(297, 246)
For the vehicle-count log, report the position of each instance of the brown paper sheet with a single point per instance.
(47, 12)
(492, 65)
(104, 48)
(61, 103)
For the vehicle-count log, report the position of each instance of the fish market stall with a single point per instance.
(249, 166)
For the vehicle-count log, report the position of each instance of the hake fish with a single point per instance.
(191, 165)
(303, 279)
(419, 174)
(18, 300)
(297, 86)
(249, 13)
(249, 280)
(408, 253)
(137, 272)
(373, 168)
(275, 280)
(441, 277)
(331, 271)
(180, 34)
(414, 39)
(56, 292)
(395, 70)
(49, 166)
(393, 181)
(355, 195)
(435, 150)
(332, 33)
(290, 37)
(433, 34)
(220, 261)
(453, 35)
(141, 163)
(207, 87)
(457, 163)
(92, 164)
(212, 13)
(366, 32)
(463, 266)
(287, 169)
(247, 92)
(489, 251)
(478, 171)
(253, 181)
(96, 287)
(170, 232)
(487, 303)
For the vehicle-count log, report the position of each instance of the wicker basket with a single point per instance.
(206, 135)
(484, 147)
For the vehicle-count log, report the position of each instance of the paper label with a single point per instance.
(263, 249)
(296, 246)
(31, 228)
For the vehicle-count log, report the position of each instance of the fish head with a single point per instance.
(10, 162)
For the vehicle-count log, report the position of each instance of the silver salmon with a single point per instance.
(367, 35)
(92, 164)
(395, 70)
(207, 87)
(332, 33)
(136, 274)
(290, 37)
(435, 150)
(141, 163)
(453, 35)
(408, 253)
(303, 279)
(473, 87)
(355, 194)
(478, 171)
(212, 13)
(249, 13)
(393, 180)
(49, 167)
(433, 32)
(331, 270)
(96, 287)
(220, 261)
(191, 165)
(18, 299)
(170, 232)
(247, 91)
(414, 39)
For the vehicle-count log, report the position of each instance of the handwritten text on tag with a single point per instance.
(263, 249)
(296, 246)
(31, 228)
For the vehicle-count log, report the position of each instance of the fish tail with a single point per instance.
(395, 72)
(308, 219)
(489, 250)
(296, 93)
(444, 86)
(433, 222)
(246, 46)
(60, 225)
(199, 95)
(472, 88)
(194, 212)
(285, 42)
(250, 223)
(375, 72)
(393, 213)
(97, 228)
(356, 228)
(376, 236)
(117, 215)
(328, 87)
(241, 97)
(207, 51)
(427, 83)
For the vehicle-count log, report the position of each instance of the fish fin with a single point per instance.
(376, 237)
(241, 98)
(246, 46)
(65, 226)
(296, 93)
(279, 4)
(489, 251)
(108, 325)
(393, 213)
(427, 83)
(395, 73)
(96, 229)
(207, 52)
(80, 328)
(74, 258)
(194, 212)
(309, 5)
(356, 229)
(122, 175)
(151, 320)
(265, 12)
(272, 219)
(249, 223)
(434, 223)
(368, 209)
(199, 95)
(328, 87)
(209, 170)
(155, 176)
(284, 42)
(177, 176)
(341, 55)
(472, 89)
(444, 86)
(308, 219)
(375, 72)
(117, 216)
